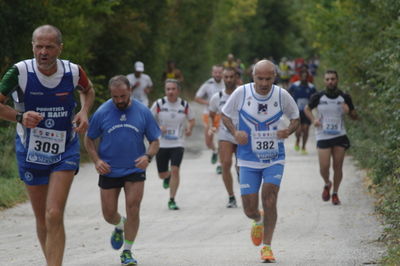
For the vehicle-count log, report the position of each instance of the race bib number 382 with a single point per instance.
(45, 146)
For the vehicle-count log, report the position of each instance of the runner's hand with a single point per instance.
(31, 119)
(241, 137)
(80, 122)
(142, 162)
(102, 167)
(188, 132)
(212, 131)
(283, 134)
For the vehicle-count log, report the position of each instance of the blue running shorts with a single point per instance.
(36, 174)
(250, 178)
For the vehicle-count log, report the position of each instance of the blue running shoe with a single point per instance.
(117, 238)
(127, 259)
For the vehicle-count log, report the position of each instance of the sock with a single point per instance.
(261, 221)
(266, 245)
(128, 244)
(167, 179)
(232, 197)
(171, 199)
(121, 223)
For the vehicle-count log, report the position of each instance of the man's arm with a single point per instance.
(143, 161)
(86, 96)
(240, 136)
(101, 166)
(190, 126)
(285, 133)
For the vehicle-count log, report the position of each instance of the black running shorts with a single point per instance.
(342, 141)
(106, 182)
(164, 155)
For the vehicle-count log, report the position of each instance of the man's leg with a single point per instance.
(305, 129)
(174, 182)
(133, 198)
(269, 197)
(324, 157)
(298, 136)
(109, 205)
(338, 158)
(59, 186)
(37, 195)
(226, 150)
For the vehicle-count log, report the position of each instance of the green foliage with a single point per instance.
(361, 40)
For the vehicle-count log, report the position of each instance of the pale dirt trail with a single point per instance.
(309, 231)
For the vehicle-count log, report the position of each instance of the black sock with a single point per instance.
(167, 179)
(232, 197)
(171, 199)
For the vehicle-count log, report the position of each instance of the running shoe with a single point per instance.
(127, 259)
(326, 192)
(296, 147)
(267, 255)
(257, 232)
(304, 151)
(117, 238)
(214, 158)
(335, 199)
(172, 205)
(219, 169)
(232, 203)
(166, 182)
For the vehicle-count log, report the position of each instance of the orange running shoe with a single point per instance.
(257, 231)
(267, 255)
(335, 199)
(326, 192)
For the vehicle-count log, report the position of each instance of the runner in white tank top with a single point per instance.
(226, 142)
(332, 104)
(260, 134)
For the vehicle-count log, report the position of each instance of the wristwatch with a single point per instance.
(149, 157)
(19, 117)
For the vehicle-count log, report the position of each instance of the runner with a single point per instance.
(226, 142)
(141, 84)
(260, 134)
(121, 159)
(172, 112)
(332, 141)
(47, 145)
(203, 95)
(301, 92)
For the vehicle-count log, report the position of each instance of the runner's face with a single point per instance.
(46, 50)
(172, 91)
(229, 79)
(331, 81)
(264, 78)
(121, 96)
(217, 73)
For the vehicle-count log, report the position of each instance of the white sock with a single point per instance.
(121, 223)
(128, 244)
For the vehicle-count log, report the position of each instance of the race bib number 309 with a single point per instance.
(45, 146)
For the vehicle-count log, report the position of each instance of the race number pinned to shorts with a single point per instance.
(332, 125)
(265, 144)
(45, 146)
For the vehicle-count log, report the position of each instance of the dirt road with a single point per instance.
(309, 231)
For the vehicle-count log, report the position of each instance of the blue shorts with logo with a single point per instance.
(250, 178)
(37, 174)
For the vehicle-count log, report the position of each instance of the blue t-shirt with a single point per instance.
(301, 93)
(121, 134)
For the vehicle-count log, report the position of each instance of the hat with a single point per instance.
(139, 66)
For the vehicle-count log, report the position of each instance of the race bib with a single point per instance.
(264, 144)
(331, 125)
(45, 146)
(171, 133)
(301, 103)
